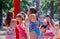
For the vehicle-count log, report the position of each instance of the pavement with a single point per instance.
(3, 33)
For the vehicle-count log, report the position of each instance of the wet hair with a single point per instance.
(44, 26)
(9, 16)
(33, 10)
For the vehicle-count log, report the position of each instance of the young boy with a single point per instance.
(42, 31)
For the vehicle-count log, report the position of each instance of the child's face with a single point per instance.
(19, 19)
(43, 30)
(56, 26)
(47, 18)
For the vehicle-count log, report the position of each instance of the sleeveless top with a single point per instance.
(11, 30)
(22, 32)
(33, 25)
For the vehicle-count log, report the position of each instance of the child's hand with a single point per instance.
(13, 22)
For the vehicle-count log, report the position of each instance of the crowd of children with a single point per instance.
(27, 26)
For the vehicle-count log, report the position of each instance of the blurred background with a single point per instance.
(49, 7)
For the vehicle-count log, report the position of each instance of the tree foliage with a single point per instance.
(46, 6)
(7, 4)
(25, 4)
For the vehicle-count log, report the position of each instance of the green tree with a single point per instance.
(25, 4)
(46, 6)
(5, 5)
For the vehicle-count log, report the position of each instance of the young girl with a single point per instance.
(10, 23)
(22, 33)
(33, 23)
(50, 25)
(57, 30)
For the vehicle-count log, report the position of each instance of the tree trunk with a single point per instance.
(59, 11)
(51, 8)
(0, 14)
(38, 7)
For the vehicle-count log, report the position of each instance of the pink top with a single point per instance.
(10, 34)
(11, 31)
(49, 32)
(22, 32)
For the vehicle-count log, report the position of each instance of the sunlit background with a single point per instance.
(49, 7)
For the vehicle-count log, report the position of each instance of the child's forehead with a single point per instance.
(13, 20)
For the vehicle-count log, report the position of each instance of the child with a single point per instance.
(11, 30)
(57, 30)
(50, 25)
(33, 23)
(42, 31)
(22, 33)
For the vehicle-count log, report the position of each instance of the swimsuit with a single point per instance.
(11, 34)
(22, 32)
(49, 32)
(33, 27)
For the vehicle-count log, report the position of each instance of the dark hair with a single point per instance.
(24, 15)
(9, 16)
(33, 10)
(44, 26)
(19, 16)
(47, 16)
(50, 20)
